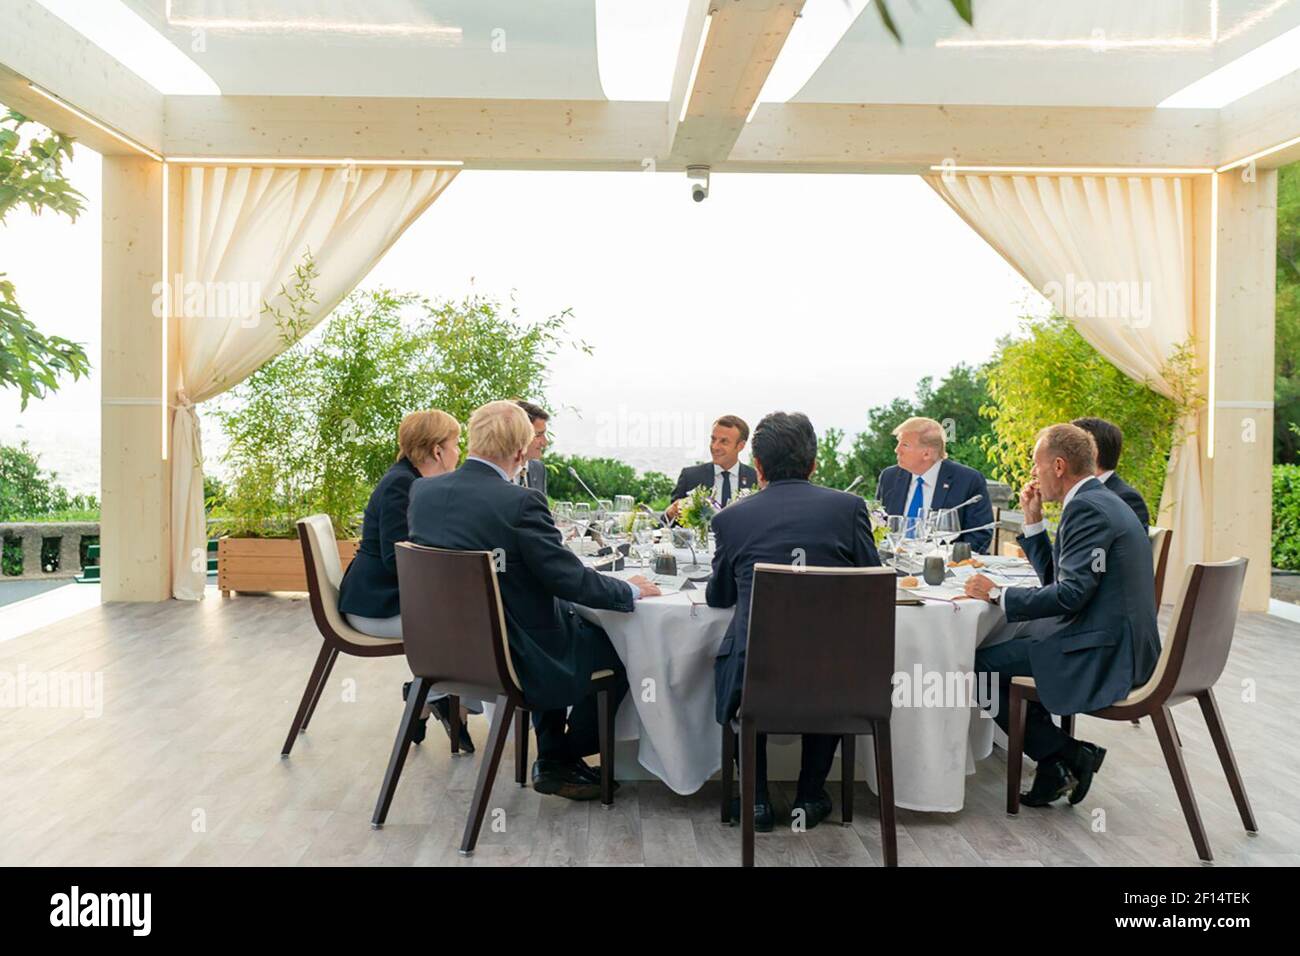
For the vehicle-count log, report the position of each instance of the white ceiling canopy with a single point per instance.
(426, 48)
(1044, 52)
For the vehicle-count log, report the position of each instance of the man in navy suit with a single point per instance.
(1097, 601)
(925, 477)
(789, 517)
(1110, 441)
(725, 475)
(533, 474)
(479, 507)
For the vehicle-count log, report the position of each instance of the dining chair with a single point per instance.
(320, 553)
(1160, 539)
(820, 660)
(1191, 662)
(454, 627)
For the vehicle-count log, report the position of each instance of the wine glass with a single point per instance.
(604, 507)
(582, 517)
(624, 503)
(562, 511)
(643, 536)
(946, 527)
(895, 533)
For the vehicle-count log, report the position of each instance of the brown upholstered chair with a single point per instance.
(1191, 662)
(455, 631)
(1160, 540)
(320, 553)
(820, 660)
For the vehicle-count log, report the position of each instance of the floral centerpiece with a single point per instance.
(700, 507)
(879, 520)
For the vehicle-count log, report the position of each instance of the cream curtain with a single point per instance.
(244, 230)
(1114, 254)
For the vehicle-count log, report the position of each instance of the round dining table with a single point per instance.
(668, 645)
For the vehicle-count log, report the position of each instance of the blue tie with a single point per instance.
(914, 509)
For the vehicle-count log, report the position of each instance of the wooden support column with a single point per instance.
(1236, 288)
(137, 366)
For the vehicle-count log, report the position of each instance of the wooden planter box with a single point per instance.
(267, 564)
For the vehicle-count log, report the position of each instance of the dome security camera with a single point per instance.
(698, 177)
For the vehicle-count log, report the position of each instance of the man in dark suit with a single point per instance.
(479, 507)
(533, 474)
(1097, 600)
(926, 478)
(1110, 441)
(725, 475)
(790, 516)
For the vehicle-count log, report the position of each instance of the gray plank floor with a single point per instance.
(183, 767)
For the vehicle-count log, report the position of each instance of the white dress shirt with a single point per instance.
(1038, 526)
(1105, 476)
(927, 490)
(734, 471)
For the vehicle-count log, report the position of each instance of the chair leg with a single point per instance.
(1015, 747)
(1214, 720)
(521, 747)
(1067, 724)
(748, 789)
(1182, 783)
(487, 773)
(848, 762)
(885, 780)
(309, 694)
(320, 689)
(728, 762)
(605, 729)
(414, 702)
(453, 721)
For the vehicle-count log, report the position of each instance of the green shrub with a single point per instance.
(28, 494)
(1049, 373)
(1286, 517)
(607, 477)
(315, 428)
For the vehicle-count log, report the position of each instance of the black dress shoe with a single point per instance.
(1051, 782)
(1083, 763)
(764, 819)
(591, 773)
(441, 708)
(814, 811)
(563, 778)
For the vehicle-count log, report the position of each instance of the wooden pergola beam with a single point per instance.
(742, 45)
(599, 135)
(37, 47)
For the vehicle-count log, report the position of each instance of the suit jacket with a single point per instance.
(694, 476)
(474, 509)
(534, 474)
(369, 585)
(1097, 576)
(832, 529)
(957, 483)
(1132, 497)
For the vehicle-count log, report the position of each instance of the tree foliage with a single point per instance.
(29, 494)
(314, 429)
(1049, 373)
(1286, 397)
(31, 175)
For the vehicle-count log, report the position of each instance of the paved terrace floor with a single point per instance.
(183, 767)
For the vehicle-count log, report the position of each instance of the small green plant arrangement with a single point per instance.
(697, 512)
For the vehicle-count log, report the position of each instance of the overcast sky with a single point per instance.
(823, 294)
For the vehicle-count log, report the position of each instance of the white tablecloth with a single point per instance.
(668, 646)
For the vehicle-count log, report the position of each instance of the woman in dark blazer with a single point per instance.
(428, 445)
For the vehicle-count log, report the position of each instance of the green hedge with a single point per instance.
(1286, 517)
(607, 477)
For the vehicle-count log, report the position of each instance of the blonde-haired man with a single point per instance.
(926, 478)
(479, 507)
